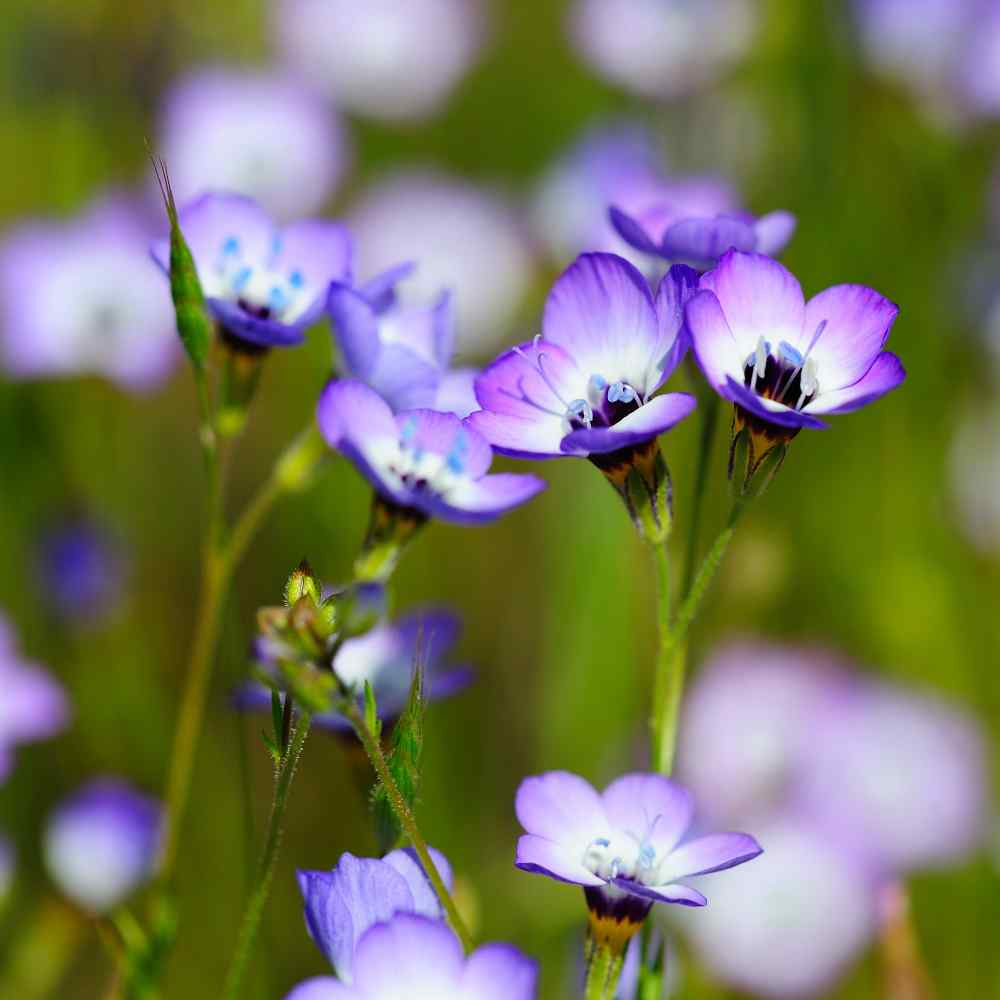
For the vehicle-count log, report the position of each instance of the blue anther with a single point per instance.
(241, 278)
(231, 245)
(789, 353)
(296, 279)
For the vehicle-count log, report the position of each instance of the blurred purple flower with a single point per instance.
(81, 570)
(662, 48)
(782, 360)
(255, 133)
(421, 460)
(342, 904)
(101, 843)
(401, 352)
(384, 657)
(416, 957)
(81, 297)
(623, 846)
(263, 284)
(381, 58)
(584, 385)
(33, 707)
(465, 237)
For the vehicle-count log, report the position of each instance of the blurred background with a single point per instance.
(484, 141)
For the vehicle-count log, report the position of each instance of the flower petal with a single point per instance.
(318, 250)
(444, 434)
(649, 805)
(349, 408)
(886, 373)
(676, 893)
(650, 420)
(632, 231)
(759, 298)
(473, 501)
(499, 972)
(677, 287)
(601, 313)
(321, 988)
(713, 342)
(263, 332)
(545, 857)
(403, 379)
(857, 322)
(705, 240)
(380, 291)
(713, 853)
(422, 953)
(768, 409)
(456, 392)
(425, 899)
(561, 807)
(355, 329)
(773, 231)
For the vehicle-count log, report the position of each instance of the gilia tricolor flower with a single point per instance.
(584, 387)
(624, 846)
(264, 285)
(421, 959)
(785, 362)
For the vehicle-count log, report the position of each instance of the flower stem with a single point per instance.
(603, 969)
(407, 820)
(265, 870)
(709, 410)
(905, 974)
(663, 671)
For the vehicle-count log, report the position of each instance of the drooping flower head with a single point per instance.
(101, 843)
(259, 134)
(625, 846)
(81, 297)
(785, 362)
(263, 284)
(33, 707)
(381, 58)
(384, 657)
(342, 904)
(401, 351)
(412, 957)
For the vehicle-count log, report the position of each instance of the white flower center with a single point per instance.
(624, 854)
(410, 467)
(261, 290)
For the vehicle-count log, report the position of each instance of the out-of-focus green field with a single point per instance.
(856, 545)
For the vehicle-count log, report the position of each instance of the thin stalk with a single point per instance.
(603, 970)
(662, 676)
(265, 871)
(709, 410)
(407, 820)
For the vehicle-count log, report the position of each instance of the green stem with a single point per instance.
(661, 679)
(265, 871)
(709, 409)
(603, 970)
(407, 820)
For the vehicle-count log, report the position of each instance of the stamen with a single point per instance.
(455, 460)
(809, 384)
(621, 392)
(760, 356)
(780, 396)
(539, 366)
(580, 409)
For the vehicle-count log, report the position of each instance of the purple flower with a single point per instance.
(402, 352)
(419, 460)
(259, 134)
(33, 706)
(662, 48)
(466, 238)
(697, 220)
(342, 904)
(625, 846)
(384, 657)
(81, 297)
(784, 361)
(102, 842)
(584, 385)
(381, 58)
(264, 285)
(421, 959)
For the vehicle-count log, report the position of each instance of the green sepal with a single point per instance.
(372, 720)
(302, 583)
(241, 371)
(273, 746)
(641, 478)
(277, 711)
(390, 529)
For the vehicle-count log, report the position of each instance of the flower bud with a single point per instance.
(390, 529)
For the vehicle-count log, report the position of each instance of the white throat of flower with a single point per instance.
(260, 288)
(409, 467)
(624, 854)
(793, 365)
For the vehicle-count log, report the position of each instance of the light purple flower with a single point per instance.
(662, 48)
(420, 959)
(101, 843)
(784, 361)
(342, 904)
(585, 385)
(466, 238)
(384, 657)
(978, 65)
(81, 297)
(255, 133)
(625, 846)
(263, 284)
(33, 707)
(696, 220)
(402, 352)
(421, 460)
(789, 924)
(381, 58)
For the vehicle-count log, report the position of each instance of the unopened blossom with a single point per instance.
(81, 297)
(430, 463)
(381, 58)
(401, 351)
(342, 904)
(417, 958)
(465, 237)
(33, 706)
(626, 845)
(101, 843)
(260, 134)
(264, 284)
(662, 48)
(384, 658)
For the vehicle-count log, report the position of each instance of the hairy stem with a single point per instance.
(265, 870)
(407, 820)
(603, 969)
(662, 681)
